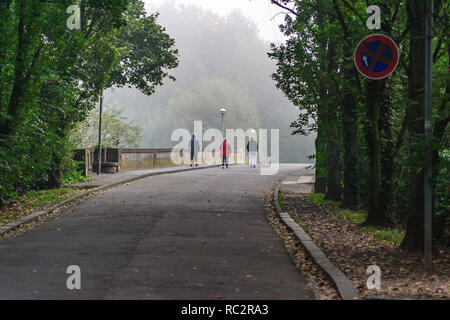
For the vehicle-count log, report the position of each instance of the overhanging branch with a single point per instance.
(277, 3)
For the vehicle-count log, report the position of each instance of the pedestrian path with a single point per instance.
(299, 183)
(198, 234)
(108, 178)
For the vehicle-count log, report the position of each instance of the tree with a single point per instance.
(299, 77)
(414, 238)
(146, 52)
(117, 132)
(194, 103)
(52, 77)
(138, 53)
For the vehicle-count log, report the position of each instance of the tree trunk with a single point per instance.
(387, 157)
(440, 129)
(350, 131)
(54, 173)
(375, 215)
(54, 177)
(321, 140)
(414, 236)
(320, 185)
(333, 150)
(349, 118)
(12, 109)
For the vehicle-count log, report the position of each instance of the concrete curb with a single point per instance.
(343, 285)
(35, 215)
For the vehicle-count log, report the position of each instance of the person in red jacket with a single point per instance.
(225, 151)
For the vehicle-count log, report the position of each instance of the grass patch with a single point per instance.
(318, 198)
(30, 201)
(356, 217)
(393, 236)
(33, 199)
(280, 200)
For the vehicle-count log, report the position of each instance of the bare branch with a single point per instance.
(275, 2)
(271, 19)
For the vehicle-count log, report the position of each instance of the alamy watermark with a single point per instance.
(74, 280)
(74, 20)
(211, 139)
(374, 281)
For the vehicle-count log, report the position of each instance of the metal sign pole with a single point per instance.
(428, 133)
(100, 137)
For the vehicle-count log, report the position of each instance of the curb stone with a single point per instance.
(344, 286)
(35, 215)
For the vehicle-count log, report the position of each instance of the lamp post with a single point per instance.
(100, 137)
(222, 113)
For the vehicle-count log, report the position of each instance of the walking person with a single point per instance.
(225, 151)
(252, 149)
(194, 148)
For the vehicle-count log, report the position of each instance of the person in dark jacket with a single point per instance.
(194, 148)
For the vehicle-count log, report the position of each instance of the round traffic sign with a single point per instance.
(376, 56)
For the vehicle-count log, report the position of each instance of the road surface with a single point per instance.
(193, 235)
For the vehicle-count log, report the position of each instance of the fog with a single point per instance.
(223, 63)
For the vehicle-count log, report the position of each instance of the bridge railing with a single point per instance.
(116, 159)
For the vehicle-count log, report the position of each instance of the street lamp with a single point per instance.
(222, 113)
(100, 137)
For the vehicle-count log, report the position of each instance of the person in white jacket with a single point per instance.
(252, 148)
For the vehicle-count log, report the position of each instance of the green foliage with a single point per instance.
(356, 217)
(441, 218)
(379, 124)
(34, 199)
(390, 235)
(116, 131)
(318, 198)
(146, 51)
(52, 78)
(72, 172)
(394, 236)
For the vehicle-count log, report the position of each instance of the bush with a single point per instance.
(73, 172)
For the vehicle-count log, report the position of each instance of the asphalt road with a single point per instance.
(193, 235)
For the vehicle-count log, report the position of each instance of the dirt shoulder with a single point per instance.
(317, 278)
(35, 201)
(353, 250)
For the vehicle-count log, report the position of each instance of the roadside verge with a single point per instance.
(343, 285)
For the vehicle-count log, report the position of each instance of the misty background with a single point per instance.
(223, 63)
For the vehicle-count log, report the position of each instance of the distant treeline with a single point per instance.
(223, 63)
